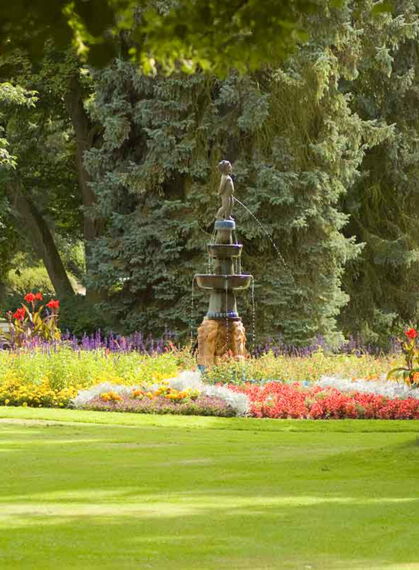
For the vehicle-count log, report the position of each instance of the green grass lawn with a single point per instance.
(85, 491)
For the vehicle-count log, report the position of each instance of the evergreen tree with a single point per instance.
(296, 145)
(382, 204)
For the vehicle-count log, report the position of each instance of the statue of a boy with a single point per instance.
(226, 191)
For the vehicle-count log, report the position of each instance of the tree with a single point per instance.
(382, 282)
(38, 181)
(296, 145)
(11, 97)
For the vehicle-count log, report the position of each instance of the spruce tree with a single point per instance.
(296, 145)
(382, 204)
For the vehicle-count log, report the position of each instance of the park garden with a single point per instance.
(209, 326)
(118, 452)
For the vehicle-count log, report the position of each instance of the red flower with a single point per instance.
(277, 400)
(411, 333)
(19, 315)
(29, 297)
(38, 297)
(53, 304)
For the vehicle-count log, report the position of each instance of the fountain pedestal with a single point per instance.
(222, 332)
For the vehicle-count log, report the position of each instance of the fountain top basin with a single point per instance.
(224, 225)
(210, 282)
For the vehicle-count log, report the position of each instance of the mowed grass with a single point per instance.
(80, 490)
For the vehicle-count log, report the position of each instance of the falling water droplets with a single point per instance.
(192, 316)
(252, 293)
(226, 311)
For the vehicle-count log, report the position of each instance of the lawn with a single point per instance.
(103, 490)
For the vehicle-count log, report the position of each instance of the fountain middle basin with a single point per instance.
(210, 282)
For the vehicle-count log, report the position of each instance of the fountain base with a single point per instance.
(217, 338)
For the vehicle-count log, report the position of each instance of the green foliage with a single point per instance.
(25, 278)
(300, 369)
(324, 148)
(214, 34)
(43, 176)
(15, 97)
(79, 316)
(40, 136)
(382, 204)
(296, 145)
(65, 368)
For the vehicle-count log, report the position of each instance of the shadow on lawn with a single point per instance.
(345, 533)
(80, 497)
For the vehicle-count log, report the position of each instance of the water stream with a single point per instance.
(252, 293)
(192, 316)
(264, 231)
(226, 310)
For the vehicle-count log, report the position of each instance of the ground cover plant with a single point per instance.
(182, 493)
(180, 404)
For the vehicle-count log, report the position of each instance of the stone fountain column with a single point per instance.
(222, 332)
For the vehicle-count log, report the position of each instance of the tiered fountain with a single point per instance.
(222, 331)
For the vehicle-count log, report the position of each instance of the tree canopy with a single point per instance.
(161, 34)
(323, 142)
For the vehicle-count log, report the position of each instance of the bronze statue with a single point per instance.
(226, 191)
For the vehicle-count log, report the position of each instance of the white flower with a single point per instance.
(184, 381)
(388, 388)
(85, 396)
(192, 380)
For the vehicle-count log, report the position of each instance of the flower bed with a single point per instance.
(200, 406)
(297, 368)
(279, 400)
(184, 394)
(388, 388)
(30, 372)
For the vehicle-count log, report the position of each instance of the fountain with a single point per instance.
(222, 331)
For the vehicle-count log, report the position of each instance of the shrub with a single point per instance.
(18, 282)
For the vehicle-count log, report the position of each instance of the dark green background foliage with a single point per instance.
(325, 154)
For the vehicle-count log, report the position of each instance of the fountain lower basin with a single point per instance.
(210, 282)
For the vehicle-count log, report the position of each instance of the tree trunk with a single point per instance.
(35, 229)
(84, 137)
